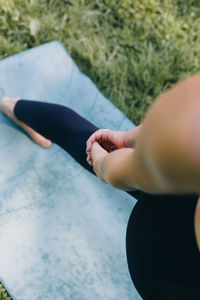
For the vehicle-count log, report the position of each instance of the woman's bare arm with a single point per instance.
(166, 155)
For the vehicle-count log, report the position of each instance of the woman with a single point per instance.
(158, 162)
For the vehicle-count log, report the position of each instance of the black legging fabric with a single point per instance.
(162, 253)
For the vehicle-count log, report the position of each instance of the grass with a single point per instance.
(133, 50)
(3, 293)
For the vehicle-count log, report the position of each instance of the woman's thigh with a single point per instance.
(159, 229)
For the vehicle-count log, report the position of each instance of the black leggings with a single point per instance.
(162, 253)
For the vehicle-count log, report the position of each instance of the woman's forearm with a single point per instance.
(132, 136)
(117, 169)
(127, 169)
(166, 156)
(111, 168)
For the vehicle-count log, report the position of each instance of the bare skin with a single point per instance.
(111, 140)
(129, 139)
(107, 137)
(7, 107)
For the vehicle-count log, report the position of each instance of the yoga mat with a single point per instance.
(62, 230)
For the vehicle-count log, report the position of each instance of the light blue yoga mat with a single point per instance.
(62, 230)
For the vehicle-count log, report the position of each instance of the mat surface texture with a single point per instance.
(62, 230)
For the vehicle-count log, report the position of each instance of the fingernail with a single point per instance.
(47, 142)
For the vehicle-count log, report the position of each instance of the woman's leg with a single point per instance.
(59, 124)
(162, 255)
(153, 231)
(62, 126)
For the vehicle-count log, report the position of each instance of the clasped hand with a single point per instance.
(104, 141)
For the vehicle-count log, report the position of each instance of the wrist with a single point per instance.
(131, 136)
(115, 168)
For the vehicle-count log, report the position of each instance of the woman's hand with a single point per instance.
(97, 155)
(116, 168)
(111, 140)
(107, 140)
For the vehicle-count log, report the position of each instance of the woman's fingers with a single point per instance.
(97, 153)
(103, 136)
(93, 138)
(109, 140)
(107, 145)
(89, 160)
